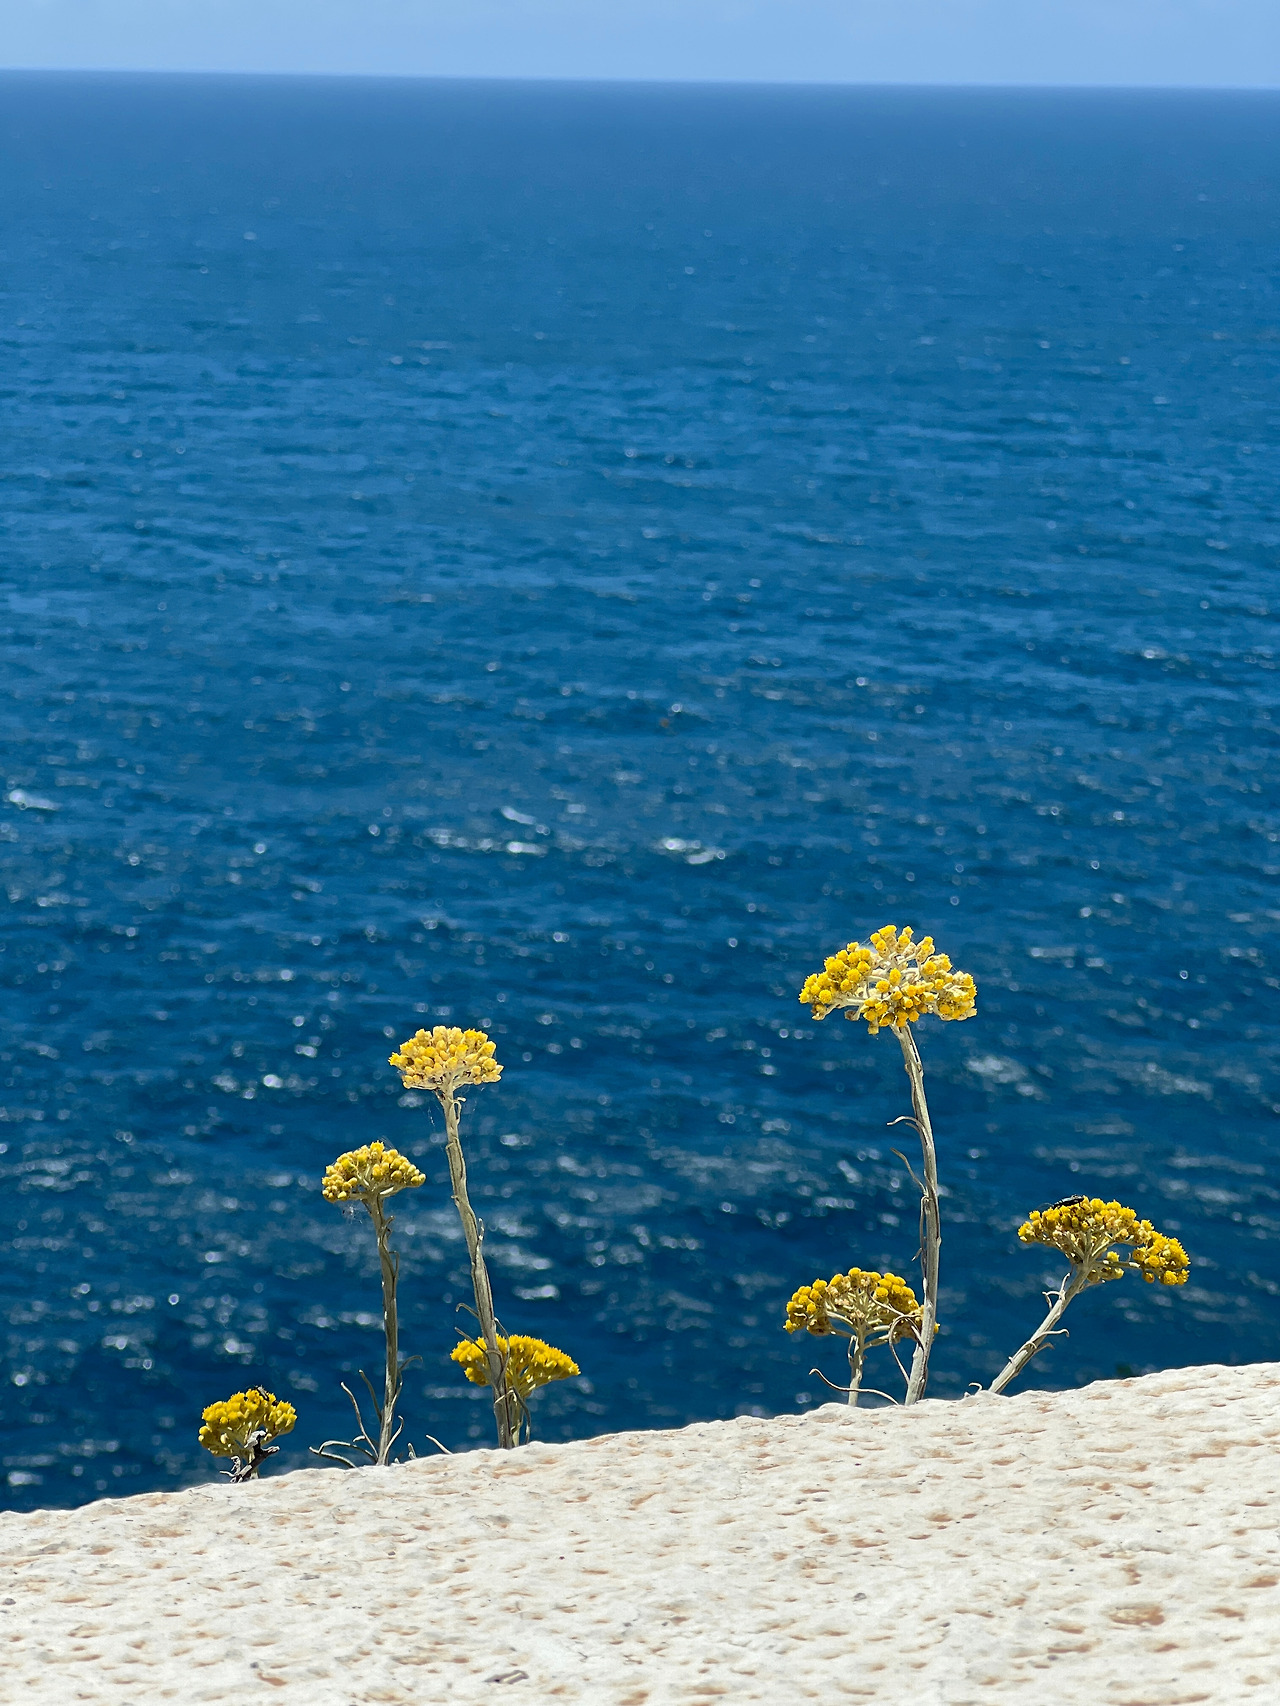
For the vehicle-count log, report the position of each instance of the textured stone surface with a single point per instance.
(1114, 1545)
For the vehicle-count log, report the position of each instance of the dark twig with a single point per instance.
(246, 1469)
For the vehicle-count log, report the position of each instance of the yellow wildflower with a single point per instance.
(864, 1304)
(1085, 1230)
(530, 1363)
(893, 981)
(444, 1058)
(229, 1423)
(374, 1171)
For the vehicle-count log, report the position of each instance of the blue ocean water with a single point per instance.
(564, 559)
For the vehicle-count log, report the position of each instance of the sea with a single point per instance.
(564, 559)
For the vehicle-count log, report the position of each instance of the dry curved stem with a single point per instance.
(860, 1342)
(362, 1445)
(505, 1413)
(830, 1384)
(873, 1390)
(1072, 1286)
(905, 1119)
(893, 1352)
(930, 1217)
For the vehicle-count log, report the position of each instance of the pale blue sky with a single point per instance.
(1206, 43)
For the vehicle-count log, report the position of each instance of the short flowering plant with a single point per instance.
(527, 1364)
(244, 1428)
(865, 1307)
(1091, 1234)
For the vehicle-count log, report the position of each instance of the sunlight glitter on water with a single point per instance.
(591, 687)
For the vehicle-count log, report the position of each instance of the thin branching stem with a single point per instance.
(387, 1429)
(930, 1218)
(1071, 1286)
(474, 1234)
(362, 1445)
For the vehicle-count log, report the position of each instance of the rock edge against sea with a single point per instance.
(1117, 1544)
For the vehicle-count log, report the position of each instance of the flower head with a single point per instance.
(229, 1424)
(864, 1304)
(444, 1058)
(529, 1363)
(1085, 1230)
(892, 980)
(374, 1171)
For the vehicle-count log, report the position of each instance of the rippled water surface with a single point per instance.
(565, 559)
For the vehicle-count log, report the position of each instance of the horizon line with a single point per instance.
(609, 80)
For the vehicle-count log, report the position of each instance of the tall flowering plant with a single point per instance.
(371, 1176)
(444, 1061)
(892, 982)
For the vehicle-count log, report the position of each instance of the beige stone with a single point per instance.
(1117, 1545)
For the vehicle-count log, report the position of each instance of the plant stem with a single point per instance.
(1070, 1287)
(930, 1219)
(390, 1321)
(857, 1356)
(479, 1273)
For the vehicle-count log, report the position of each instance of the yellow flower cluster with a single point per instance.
(862, 1302)
(444, 1058)
(892, 981)
(530, 1363)
(1085, 1231)
(374, 1171)
(228, 1425)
